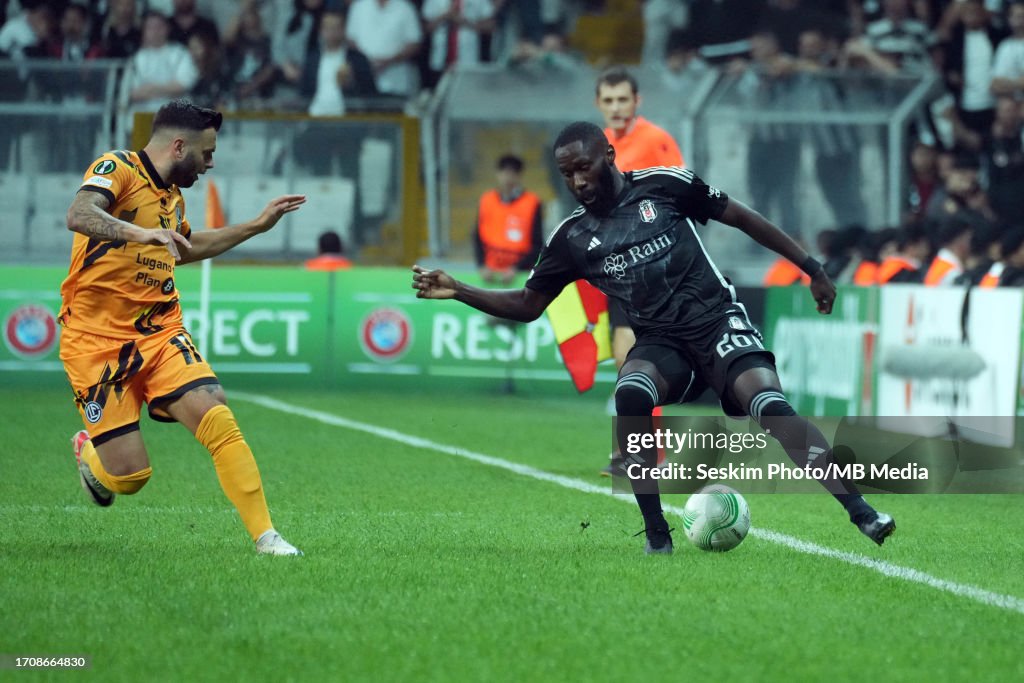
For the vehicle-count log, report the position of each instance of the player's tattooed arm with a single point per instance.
(523, 305)
(88, 215)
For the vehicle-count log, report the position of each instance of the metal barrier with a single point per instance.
(360, 172)
(809, 150)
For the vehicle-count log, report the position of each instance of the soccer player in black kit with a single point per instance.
(634, 238)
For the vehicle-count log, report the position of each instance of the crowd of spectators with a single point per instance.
(283, 54)
(267, 53)
(327, 57)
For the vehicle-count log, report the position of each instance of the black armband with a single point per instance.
(811, 266)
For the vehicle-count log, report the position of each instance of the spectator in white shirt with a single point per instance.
(160, 70)
(337, 69)
(968, 61)
(1008, 69)
(456, 29)
(25, 30)
(388, 33)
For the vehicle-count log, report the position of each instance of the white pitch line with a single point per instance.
(889, 569)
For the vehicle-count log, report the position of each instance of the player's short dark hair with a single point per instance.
(330, 243)
(581, 131)
(1012, 238)
(614, 75)
(185, 115)
(510, 162)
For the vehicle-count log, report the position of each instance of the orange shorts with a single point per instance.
(112, 378)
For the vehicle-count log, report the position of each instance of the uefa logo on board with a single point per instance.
(30, 331)
(385, 334)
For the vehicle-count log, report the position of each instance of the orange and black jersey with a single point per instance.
(125, 289)
(645, 252)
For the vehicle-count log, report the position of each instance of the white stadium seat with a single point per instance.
(375, 190)
(244, 198)
(330, 205)
(14, 208)
(50, 194)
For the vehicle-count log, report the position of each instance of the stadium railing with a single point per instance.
(361, 172)
(801, 149)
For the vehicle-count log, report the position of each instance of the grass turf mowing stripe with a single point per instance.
(888, 569)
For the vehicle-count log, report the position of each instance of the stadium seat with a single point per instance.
(244, 198)
(50, 194)
(375, 177)
(242, 148)
(330, 206)
(15, 210)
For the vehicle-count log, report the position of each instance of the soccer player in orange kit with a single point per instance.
(123, 341)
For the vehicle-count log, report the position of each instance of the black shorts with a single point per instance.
(692, 363)
(617, 314)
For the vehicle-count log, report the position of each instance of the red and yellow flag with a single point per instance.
(214, 210)
(579, 317)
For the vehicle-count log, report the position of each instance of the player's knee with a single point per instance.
(635, 395)
(218, 429)
(127, 484)
(769, 404)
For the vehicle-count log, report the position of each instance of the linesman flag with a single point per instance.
(579, 317)
(214, 210)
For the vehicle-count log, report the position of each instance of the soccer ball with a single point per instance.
(716, 518)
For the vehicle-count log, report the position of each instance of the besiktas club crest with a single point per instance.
(647, 211)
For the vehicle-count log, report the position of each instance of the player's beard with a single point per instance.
(605, 197)
(185, 174)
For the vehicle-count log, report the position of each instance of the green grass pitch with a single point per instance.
(425, 566)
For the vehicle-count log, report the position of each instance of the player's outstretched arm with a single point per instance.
(88, 215)
(210, 243)
(524, 305)
(766, 233)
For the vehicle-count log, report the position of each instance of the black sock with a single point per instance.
(801, 438)
(650, 508)
(635, 399)
(855, 505)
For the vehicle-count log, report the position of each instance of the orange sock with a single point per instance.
(236, 468)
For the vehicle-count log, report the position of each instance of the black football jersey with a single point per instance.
(645, 253)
